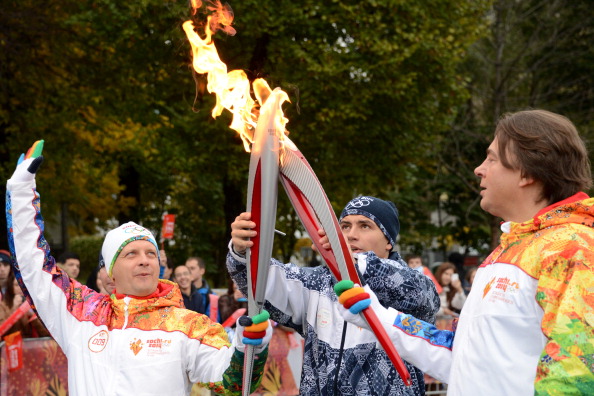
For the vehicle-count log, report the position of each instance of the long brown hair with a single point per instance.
(547, 147)
(9, 295)
(451, 292)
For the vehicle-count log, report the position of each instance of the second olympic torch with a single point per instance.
(314, 210)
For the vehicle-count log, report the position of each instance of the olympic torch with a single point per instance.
(314, 210)
(261, 202)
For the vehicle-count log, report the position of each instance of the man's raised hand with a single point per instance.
(28, 163)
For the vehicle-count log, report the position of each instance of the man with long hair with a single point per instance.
(526, 327)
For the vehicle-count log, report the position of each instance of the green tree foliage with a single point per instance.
(538, 54)
(85, 76)
(128, 131)
(373, 85)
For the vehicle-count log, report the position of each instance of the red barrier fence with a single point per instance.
(44, 370)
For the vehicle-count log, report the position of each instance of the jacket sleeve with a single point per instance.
(566, 365)
(418, 342)
(214, 364)
(287, 294)
(53, 295)
(400, 287)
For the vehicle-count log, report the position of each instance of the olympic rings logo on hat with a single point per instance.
(359, 202)
(134, 230)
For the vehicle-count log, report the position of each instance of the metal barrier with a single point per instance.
(436, 389)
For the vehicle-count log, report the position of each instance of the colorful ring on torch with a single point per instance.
(261, 317)
(360, 306)
(252, 335)
(355, 299)
(345, 296)
(256, 328)
(249, 341)
(343, 285)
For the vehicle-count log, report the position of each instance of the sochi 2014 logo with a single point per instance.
(136, 346)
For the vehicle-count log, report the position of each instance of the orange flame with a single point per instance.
(231, 89)
(196, 4)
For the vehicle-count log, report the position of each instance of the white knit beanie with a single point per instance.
(116, 239)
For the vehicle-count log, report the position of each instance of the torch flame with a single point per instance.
(231, 89)
(196, 4)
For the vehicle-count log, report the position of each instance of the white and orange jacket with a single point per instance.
(527, 327)
(119, 346)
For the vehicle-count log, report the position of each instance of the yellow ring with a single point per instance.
(350, 293)
(256, 328)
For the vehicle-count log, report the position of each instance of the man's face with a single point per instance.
(72, 267)
(136, 269)
(415, 262)
(363, 235)
(195, 270)
(106, 282)
(4, 271)
(183, 277)
(500, 186)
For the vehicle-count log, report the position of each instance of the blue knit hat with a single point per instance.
(383, 213)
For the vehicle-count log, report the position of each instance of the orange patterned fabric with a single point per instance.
(171, 318)
(557, 249)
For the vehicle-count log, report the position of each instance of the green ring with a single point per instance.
(261, 317)
(343, 286)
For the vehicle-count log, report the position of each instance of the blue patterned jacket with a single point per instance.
(340, 358)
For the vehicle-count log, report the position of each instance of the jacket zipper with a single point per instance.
(126, 302)
(335, 391)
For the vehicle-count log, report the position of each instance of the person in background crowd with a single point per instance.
(340, 359)
(526, 328)
(104, 281)
(167, 265)
(4, 271)
(192, 297)
(138, 341)
(416, 262)
(70, 263)
(470, 273)
(92, 282)
(457, 259)
(99, 281)
(452, 295)
(231, 301)
(197, 268)
(29, 325)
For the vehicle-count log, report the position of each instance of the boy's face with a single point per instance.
(363, 235)
(195, 270)
(72, 267)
